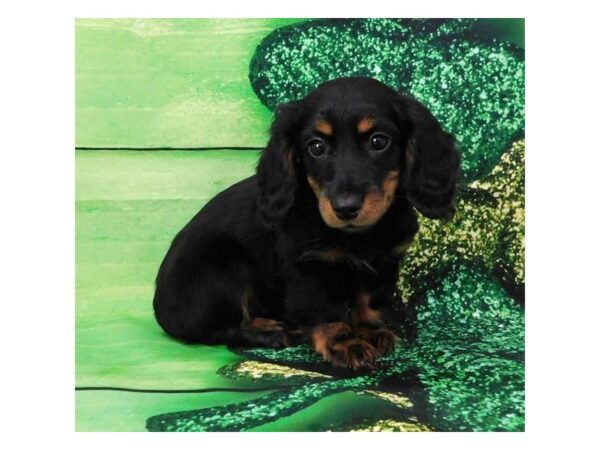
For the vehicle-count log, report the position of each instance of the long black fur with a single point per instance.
(255, 250)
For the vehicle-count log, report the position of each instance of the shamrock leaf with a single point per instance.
(474, 86)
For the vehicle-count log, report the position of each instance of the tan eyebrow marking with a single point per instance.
(324, 127)
(365, 124)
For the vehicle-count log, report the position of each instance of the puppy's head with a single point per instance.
(358, 145)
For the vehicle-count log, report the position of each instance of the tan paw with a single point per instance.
(382, 339)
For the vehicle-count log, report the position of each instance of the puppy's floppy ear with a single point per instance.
(432, 162)
(276, 171)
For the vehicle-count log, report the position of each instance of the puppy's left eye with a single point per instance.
(316, 148)
(379, 142)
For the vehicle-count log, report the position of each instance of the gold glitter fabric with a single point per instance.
(487, 230)
(473, 85)
(257, 370)
(400, 400)
(394, 425)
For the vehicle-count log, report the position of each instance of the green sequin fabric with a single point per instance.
(460, 364)
(473, 85)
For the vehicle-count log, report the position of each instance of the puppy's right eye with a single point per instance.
(316, 148)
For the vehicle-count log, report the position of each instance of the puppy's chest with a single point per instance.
(361, 259)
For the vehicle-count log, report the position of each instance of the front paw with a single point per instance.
(342, 348)
(354, 354)
(381, 338)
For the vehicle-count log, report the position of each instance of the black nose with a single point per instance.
(346, 207)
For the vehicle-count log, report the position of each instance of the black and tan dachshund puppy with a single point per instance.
(308, 249)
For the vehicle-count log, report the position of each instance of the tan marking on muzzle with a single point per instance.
(375, 205)
(314, 186)
(377, 201)
(325, 207)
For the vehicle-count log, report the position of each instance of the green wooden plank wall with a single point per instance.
(168, 82)
(148, 84)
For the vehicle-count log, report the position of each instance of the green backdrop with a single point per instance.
(146, 85)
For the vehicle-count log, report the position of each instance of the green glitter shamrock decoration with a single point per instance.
(474, 86)
(468, 358)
